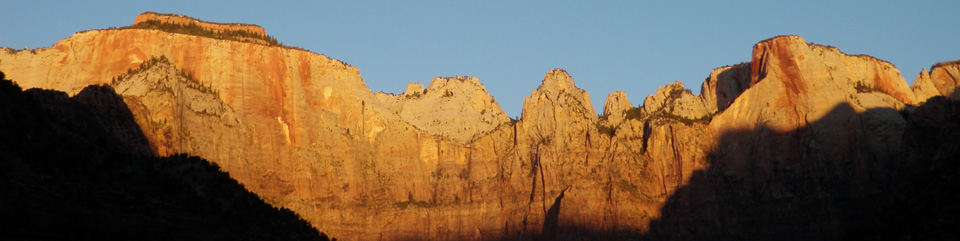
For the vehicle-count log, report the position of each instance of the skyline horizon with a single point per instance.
(604, 48)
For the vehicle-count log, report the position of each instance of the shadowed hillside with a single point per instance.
(823, 195)
(80, 169)
(801, 142)
(922, 205)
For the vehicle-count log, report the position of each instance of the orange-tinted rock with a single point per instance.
(675, 101)
(724, 85)
(556, 110)
(615, 107)
(796, 84)
(458, 108)
(185, 20)
(815, 129)
(942, 80)
(266, 113)
(445, 163)
(786, 70)
(178, 114)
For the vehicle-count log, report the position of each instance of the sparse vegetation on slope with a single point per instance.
(194, 29)
(192, 81)
(941, 64)
(863, 88)
(72, 170)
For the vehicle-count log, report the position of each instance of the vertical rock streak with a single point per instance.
(445, 163)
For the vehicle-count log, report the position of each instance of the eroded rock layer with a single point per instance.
(942, 80)
(445, 163)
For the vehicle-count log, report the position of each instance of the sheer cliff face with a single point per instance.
(270, 87)
(184, 20)
(724, 85)
(558, 111)
(814, 130)
(444, 162)
(179, 114)
(793, 82)
(942, 80)
(458, 108)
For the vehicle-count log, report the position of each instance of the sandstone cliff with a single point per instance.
(800, 127)
(815, 129)
(178, 113)
(724, 85)
(557, 111)
(675, 101)
(615, 107)
(458, 108)
(942, 80)
(786, 70)
(185, 20)
(78, 168)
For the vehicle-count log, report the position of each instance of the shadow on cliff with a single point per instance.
(552, 218)
(833, 179)
(80, 169)
(924, 204)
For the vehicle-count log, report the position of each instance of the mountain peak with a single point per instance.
(558, 88)
(458, 108)
(557, 80)
(444, 162)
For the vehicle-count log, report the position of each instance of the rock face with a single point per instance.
(263, 113)
(801, 131)
(942, 80)
(79, 168)
(178, 113)
(557, 110)
(616, 106)
(184, 20)
(674, 100)
(786, 70)
(815, 131)
(458, 108)
(724, 85)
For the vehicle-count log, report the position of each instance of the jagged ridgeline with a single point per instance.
(802, 142)
(191, 81)
(77, 168)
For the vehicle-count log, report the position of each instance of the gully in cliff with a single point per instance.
(801, 142)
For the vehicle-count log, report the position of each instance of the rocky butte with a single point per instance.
(801, 142)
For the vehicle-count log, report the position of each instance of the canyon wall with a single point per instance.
(444, 162)
(943, 79)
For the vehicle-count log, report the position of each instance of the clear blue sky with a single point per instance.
(614, 45)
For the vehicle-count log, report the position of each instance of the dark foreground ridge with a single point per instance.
(80, 169)
(821, 195)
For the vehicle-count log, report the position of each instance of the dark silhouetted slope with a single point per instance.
(79, 169)
(801, 142)
(818, 195)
